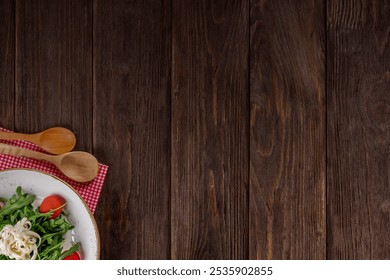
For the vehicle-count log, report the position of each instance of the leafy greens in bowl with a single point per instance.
(26, 211)
(28, 234)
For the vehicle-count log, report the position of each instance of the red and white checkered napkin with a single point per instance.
(89, 191)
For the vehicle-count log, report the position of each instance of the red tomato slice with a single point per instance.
(73, 256)
(52, 202)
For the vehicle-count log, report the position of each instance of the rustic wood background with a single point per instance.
(233, 129)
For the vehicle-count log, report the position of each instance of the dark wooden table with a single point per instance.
(233, 129)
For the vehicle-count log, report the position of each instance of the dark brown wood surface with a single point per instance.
(358, 80)
(132, 129)
(240, 129)
(287, 120)
(210, 130)
(53, 67)
(7, 62)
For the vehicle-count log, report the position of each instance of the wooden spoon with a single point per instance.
(56, 140)
(78, 166)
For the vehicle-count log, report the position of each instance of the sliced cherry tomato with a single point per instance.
(52, 202)
(73, 256)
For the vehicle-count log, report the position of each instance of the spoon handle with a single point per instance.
(17, 136)
(16, 151)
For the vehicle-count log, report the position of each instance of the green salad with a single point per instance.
(28, 233)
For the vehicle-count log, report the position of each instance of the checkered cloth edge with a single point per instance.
(89, 191)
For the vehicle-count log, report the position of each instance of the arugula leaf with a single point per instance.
(17, 201)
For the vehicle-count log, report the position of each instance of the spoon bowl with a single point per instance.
(80, 166)
(56, 140)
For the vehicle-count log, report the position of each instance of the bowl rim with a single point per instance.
(74, 190)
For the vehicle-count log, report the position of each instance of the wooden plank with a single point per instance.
(132, 126)
(54, 67)
(287, 130)
(210, 104)
(358, 177)
(7, 63)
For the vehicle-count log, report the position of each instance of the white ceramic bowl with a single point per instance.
(42, 184)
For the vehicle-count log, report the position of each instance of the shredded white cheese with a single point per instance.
(19, 242)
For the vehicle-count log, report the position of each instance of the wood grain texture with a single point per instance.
(358, 81)
(233, 129)
(54, 67)
(7, 62)
(132, 126)
(287, 130)
(210, 130)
